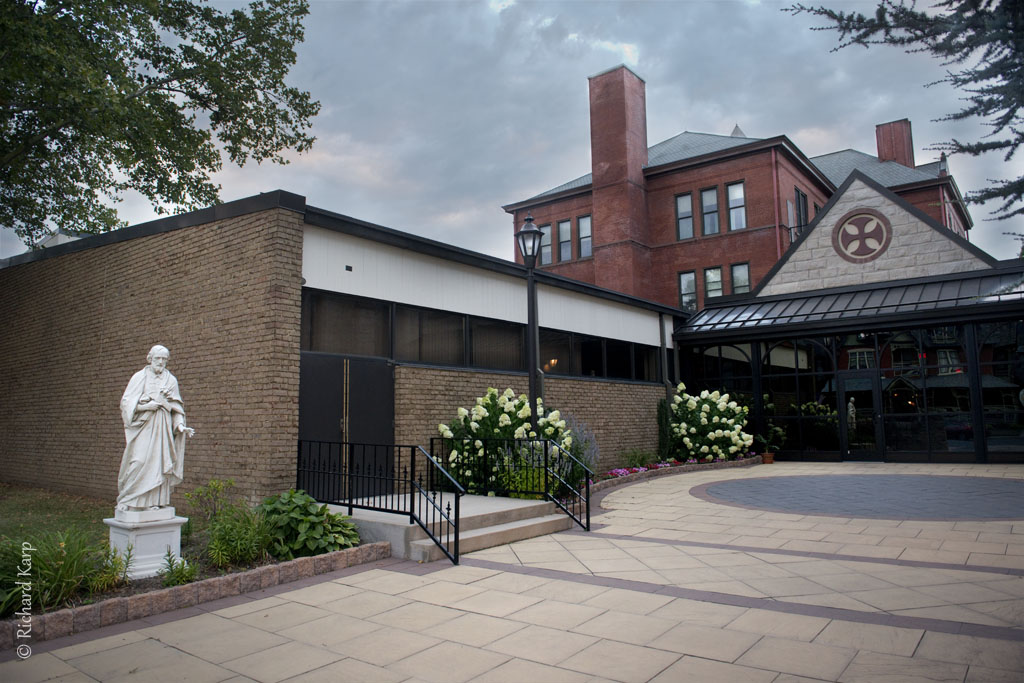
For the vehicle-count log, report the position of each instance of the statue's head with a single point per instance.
(157, 358)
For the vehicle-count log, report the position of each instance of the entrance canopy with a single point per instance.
(940, 299)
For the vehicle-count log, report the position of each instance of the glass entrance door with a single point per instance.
(860, 409)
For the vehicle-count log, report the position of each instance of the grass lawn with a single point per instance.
(26, 512)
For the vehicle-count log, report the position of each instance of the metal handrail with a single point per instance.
(518, 467)
(367, 477)
(439, 523)
(571, 488)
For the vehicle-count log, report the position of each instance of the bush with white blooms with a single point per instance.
(709, 426)
(504, 416)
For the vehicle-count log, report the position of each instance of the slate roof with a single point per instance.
(837, 166)
(686, 145)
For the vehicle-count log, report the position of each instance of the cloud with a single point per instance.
(437, 113)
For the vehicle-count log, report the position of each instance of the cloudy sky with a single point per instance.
(435, 113)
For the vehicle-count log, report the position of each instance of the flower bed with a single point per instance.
(630, 475)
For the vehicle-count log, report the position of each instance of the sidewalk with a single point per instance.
(672, 585)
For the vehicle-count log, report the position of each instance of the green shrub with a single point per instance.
(237, 535)
(636, 458)
(299, 526)
(112, 572)
(177, 571)
(664, 431)
(206, 501)
(58, 566)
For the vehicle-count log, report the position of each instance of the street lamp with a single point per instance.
(529, 239)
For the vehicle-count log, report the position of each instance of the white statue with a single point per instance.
(155, 431)
(851, 413)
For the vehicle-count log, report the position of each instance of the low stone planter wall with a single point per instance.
(678, 469)
(65, 622)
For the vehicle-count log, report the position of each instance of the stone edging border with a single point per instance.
(678, 469)
(51, 625)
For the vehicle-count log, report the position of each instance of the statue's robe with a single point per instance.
(154, 454)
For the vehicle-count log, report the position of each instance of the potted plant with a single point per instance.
(770, 442)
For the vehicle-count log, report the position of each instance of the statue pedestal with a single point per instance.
(149, 533)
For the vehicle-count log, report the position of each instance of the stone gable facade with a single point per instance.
(917, 248)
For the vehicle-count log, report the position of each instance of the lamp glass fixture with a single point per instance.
(529, 238)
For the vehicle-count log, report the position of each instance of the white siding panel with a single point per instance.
(380, 271)
(561, 309)
(388, 273)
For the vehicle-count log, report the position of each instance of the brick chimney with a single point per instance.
(895, 142)
(618, 148)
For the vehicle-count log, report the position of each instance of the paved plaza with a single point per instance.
(703, 576)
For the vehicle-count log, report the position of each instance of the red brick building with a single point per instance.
(701, 215)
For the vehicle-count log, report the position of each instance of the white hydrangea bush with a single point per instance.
(709, 426)
(504, 416)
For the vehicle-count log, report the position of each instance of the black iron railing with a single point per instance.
(403, 480)
(518, 468)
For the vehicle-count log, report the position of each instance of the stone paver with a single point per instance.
(669, 586)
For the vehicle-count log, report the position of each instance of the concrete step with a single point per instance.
(510, 510)
(425, 550)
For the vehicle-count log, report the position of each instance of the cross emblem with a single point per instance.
(862, 235)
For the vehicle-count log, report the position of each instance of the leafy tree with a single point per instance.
(982, 41)
(98, 97)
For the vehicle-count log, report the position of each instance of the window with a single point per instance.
(497, 344)
(334, 323)
(645, 362)
(688, 291)
(709, 210)
(684, 216)
(564, 240)
(590, 352)
(862, 359)
(737, 206)
(817, 210)
(949, 362)
(554, 352)
(740, 273)
(545, 245)
(801, 208)
(619, 355)
(429, 336)
(583, 234)
(712, 282)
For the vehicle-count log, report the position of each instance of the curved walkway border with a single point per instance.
(65, 622)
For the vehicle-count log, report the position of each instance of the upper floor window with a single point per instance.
(737, 206)
(688, 291)
(583, 234)
(564, 240)
(684, 216)
(740, 278)
(862, 359)
(712, 282)
(949, 362)
(545, 245)
(801, 207)
(709, 210)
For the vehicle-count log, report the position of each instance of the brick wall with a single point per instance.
(622, 415)
(224, 297)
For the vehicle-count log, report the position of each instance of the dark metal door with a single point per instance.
(860, 415)
(346, 400)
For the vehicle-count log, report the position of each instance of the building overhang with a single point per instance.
(937, 300)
